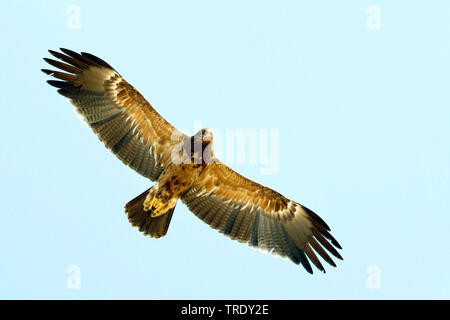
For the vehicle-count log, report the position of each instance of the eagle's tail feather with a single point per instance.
(154, 227)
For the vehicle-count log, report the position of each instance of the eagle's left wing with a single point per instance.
(251, 213)
(121, 117)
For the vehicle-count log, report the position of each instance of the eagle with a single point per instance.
(185, 168)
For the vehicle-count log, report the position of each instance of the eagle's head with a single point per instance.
(205, 136)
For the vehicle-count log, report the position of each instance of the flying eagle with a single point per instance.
(185, 168)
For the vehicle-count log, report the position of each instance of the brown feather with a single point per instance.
(68, 59)
(97, 60)
(312, 256)
(326, 244)
(79, 57)
(321, 251)
(60, 75)
(326, 234)
(63, 66)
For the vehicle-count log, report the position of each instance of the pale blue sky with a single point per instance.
(364, 123)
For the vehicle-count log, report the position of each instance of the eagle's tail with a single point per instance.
(153, 227)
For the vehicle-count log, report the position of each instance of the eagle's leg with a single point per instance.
(154, 205)
(159, 200)
(175, 180)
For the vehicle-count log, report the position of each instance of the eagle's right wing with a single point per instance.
(121, 117)
(249, 212)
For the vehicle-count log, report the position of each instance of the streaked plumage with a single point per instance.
(238, 207)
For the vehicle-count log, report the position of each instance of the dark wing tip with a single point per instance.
(86, 58)
(67, 87)
(69, 52)
(76, 61)
(65, 93)
(97, 60)
(47, 71)
(316, 218)
(59, 84)
(53, 52)
(321, 226)
(294, 253)
(334, 242)
(305, 262)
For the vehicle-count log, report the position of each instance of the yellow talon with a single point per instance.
(155, 207)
